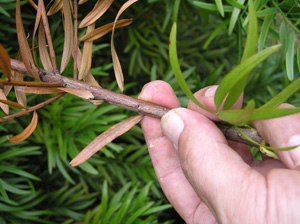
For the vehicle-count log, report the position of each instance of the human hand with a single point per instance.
(208, 179)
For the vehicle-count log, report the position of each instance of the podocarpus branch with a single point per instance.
(133, 104)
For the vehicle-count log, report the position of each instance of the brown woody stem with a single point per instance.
(133, 104)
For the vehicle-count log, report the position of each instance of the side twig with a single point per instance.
(127, 102)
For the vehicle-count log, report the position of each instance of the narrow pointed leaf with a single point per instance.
(82, 2)
(39, 90)
(176, 68)
(23, 44)
(4, 107)
(27, 131)
(284, 36)
(264, 31)
(68, 40)
(96, 13)
(243, 118)
(36, 25)
(105, 138)
(21, 97)
(290, 56)
(298, 57)
(219, 5)
(86, 59)
(5, 62)
(211, 7)
(56, 6)
(44, 55)
(84, 94)
(281, 97)
(213, 35)
(249, 50)
(240, 71)
(116, 62)
(235, 3)
(259, 114)
(103, 30)
(234, 16)
(13, 104)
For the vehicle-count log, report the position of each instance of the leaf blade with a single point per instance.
(5, 62)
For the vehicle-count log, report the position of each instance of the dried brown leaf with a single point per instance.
(21, 97)
(26, 132)
(97, 102)
(44, 55)
(68, 41)
(116, 62)
(89, 79)
(5, 62)
(13, 104)
(23, 44)
(84, 94)
(38, 90)
(82, 1)
(33, 4)
(96, 13)
(105, 138)
(3, 106)
(36, 25)
(86, 59)
(56, 6)
(103, 30)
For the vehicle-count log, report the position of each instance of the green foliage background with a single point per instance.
(118, 184)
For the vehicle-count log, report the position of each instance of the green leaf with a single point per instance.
(26, 151)
(211, 7)
(104, 197)
(220, 7)
(234, 17)
(290, 56)
(281, 97)
(283, 36)
(235, 4)
(241, 71)
(20, 172)
(175, 10)
(243, 118)
(213, 35)
(177, 71)
(258, 114)
(267, 12)
(3, 191)
(264, 31)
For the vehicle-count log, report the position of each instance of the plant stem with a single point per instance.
(127, 102)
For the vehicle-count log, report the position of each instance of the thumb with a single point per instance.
(218, 175)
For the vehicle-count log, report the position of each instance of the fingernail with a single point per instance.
(172, 126)
(295, 153)
(211, 91)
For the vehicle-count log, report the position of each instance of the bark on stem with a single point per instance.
(133, 104)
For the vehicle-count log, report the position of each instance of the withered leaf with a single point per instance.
(86, 59)
(68, 41)
(23, 44)
(13, 104)
(103, 30)
(116, 62)
(3, 106)
(96, 13)
(37, 23)
(105, 138)
(84, 94)
(38, 90)
(21, 96)
(82, 1)
(56, 6)
(43, 50)
(5, 62)
(26, 132)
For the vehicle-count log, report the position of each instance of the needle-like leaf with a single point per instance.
(96, 13)
(176, 68)
(84, 94)
(57, 5)
(68, 40)
(39, 90)
(23, 44)
(116, 62)
(5, 62)
(219, 5)
(26, 132)
(86, 59)
(3, 106)
(103, 30)
(105, 138)
(290, 56)
(13, 104)
(43, 50)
